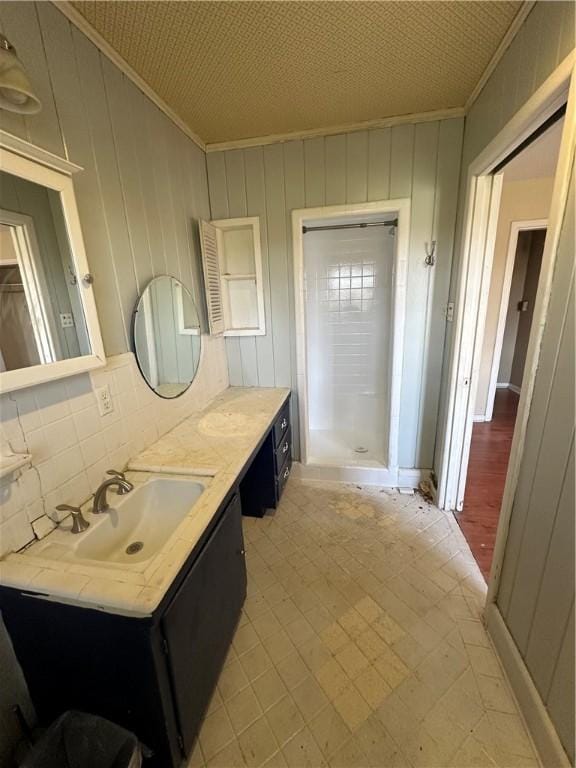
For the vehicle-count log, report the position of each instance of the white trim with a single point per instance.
(27, 168)
(515, 228)
(555, 219)
(479, 419)
(503, 385)
(401, 478)
(402, 208)
(333, 130)
(37, 154)
(541, 105)
(29, 262)
(505, 43)
(514, 388)
(529, 700)
(104, 46)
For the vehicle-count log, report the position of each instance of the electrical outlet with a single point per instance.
(104, 398)
(66, 320)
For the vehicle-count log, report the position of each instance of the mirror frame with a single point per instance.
(34, 164)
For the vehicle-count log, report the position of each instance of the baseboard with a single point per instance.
(383, 476)
(514, 388)
(478, 419)
(503, 385)
(539, 724)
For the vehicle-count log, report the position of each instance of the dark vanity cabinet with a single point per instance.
(263, 483)
(154, 676)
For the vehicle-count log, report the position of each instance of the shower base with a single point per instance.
(348, 448)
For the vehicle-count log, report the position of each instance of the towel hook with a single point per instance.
(430, 249)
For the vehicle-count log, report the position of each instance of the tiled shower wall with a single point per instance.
(72, 446)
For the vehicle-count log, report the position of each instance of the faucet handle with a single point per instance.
(79, 523)
(115, 473)
(121, 490)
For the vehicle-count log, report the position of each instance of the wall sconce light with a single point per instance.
(16, 94)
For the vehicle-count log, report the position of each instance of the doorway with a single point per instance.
(484, 195)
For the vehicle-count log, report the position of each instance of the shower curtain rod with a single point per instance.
(360, 225)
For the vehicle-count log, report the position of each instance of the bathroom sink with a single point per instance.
(134, 528)
(138, 524)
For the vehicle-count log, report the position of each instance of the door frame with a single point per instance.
(472, 287)
(388, 475)
(523, 225)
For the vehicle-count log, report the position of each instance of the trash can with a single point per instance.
(79, 740)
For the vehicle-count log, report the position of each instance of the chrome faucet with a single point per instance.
(79, 523)
(100, 500)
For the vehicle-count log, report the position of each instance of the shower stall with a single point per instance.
(352, 303)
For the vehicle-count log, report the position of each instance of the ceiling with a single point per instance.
(236, 70)
(539, 159)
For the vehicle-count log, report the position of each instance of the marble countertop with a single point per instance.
(212, 446)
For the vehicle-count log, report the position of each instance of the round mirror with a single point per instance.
(167, 336)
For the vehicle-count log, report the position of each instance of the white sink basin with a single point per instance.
(134, 528)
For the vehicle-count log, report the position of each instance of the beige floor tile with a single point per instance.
(245, 638)
(276, 761)
(496, 694)
(309, 697)
(243, 709)
(302, 751)
(378, 745)
(269, 688)
(232, 679)
(392, 668)
(299, 631)
(315, 654)
(372, 686)
(229, 757)
(279, 646)
(349, 755)
(255, 662)
(334, 637)
(257, 743)
(284, 719)
(351, 659)
(216, 732)
(266, 625)
(292, 670)
(332, 678)
(352, 707)
(329, 730)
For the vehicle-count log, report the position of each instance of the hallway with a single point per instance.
(489, 454)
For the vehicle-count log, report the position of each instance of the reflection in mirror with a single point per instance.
(167, 336)
(41, 315)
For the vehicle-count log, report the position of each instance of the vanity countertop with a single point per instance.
(215, 443)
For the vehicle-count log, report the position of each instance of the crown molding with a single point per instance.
(382, 122)
(76, 18)
(505, 43)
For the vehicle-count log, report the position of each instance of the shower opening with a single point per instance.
(350, 275)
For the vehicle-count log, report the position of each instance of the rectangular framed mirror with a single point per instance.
(48, 321)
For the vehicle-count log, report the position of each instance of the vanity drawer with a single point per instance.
(284, 449)
(283, 476)
(282, 423)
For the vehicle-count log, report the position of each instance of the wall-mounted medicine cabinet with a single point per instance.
(232, 262)
(48, 321)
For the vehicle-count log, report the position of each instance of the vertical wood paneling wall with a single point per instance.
(536, 594)
(419, 161)
(144, 181)
(143, 184)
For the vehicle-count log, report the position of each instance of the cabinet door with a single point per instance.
(199, 623)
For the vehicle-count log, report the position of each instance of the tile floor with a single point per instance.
(361, 643)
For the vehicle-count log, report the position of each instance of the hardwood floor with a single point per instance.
(489, 454)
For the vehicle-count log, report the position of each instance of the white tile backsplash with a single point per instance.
(72, 446)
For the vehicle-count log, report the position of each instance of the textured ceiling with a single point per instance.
(234, 70)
